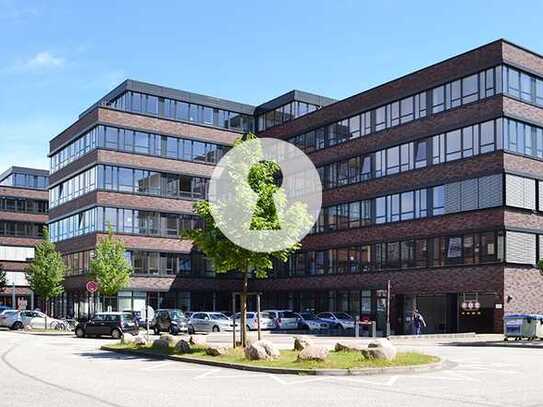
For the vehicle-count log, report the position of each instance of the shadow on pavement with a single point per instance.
(500, 344)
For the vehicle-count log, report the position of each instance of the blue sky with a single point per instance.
(59, 57)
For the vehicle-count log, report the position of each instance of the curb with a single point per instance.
(43, 333)
(370, 371)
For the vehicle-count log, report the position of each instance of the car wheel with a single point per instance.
(174, 331)
(191, 330)
(216, 329)
(17, 325)
(116, 334)
(80, 333)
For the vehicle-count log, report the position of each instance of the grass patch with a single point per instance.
(288, 358)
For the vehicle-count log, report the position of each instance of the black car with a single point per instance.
(107, 323)
(169, 320)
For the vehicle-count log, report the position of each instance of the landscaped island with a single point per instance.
(304, 356)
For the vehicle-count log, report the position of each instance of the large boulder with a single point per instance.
(301, 342)
(140, 340)
(128, 339)
(343, 346)
(161, 345)
(216, 350)
(313, 352)
(381, 349)
(261, 350)
(182, 346)
(199, 340)
(169, 338)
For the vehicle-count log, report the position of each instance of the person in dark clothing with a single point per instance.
(418, 322)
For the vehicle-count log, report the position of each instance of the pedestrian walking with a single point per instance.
(418, 322)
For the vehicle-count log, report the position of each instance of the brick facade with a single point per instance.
(495, 282)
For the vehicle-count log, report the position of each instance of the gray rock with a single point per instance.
(198, 340)
(349, 347)
(182, 346)
(216, 350)
(127, 339)
(313, 352)
(161, 345)
(382, 349)
(300, 343)
(169, 338)
(261, 350)
(140, 340)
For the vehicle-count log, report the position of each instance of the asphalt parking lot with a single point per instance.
(66, 371)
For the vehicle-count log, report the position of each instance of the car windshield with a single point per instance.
(308, 316)
(342, 315)
(177, 314)
(218, 316)
(288, 314)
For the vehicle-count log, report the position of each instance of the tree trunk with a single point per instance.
(46, 309)
(243, 306)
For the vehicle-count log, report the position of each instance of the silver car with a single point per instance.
(34, 319)
(209, 322)
(283, 319)
(8, 319)
(266, 321)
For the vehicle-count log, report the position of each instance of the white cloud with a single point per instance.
(44, 60)
(40, 62)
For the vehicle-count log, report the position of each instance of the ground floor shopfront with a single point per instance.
(454, 299)
(443, 313)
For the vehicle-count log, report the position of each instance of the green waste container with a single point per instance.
(523, 326)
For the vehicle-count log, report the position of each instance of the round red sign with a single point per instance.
(92, 286)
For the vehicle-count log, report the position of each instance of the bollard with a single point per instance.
(373, 329)
(357, 327)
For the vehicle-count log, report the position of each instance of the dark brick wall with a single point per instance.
(123, 200)
(479, 166)
(453, 68)
(18, 241)
(452, 119)
(486, 219)
(106, 115)
(524, 285)
(162, 244)
(24, 193)
(23, 217)
(420, 282)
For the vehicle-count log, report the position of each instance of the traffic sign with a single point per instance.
(92, 286)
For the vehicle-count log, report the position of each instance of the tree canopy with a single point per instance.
(45, 274)
(109, 266)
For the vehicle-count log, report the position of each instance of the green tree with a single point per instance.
(225, 255)
(3, 278)
(109, 266)
(45, 274)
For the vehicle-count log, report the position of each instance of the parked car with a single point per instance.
(266, 320)
(309, 321)
(283, 319)
(8, 317)
(107, 323)
(5, 308)
(169, 320)
(209, 322)
(35, 319)
(188, 314)
(339, 320)
(137, 317)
